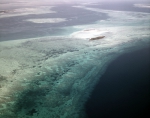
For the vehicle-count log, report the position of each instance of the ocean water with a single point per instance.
(121, 6)
(123, 91)
(18, 28)
(49, 71)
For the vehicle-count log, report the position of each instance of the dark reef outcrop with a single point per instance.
(96, 38)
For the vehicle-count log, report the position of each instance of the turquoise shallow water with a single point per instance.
(52, 77)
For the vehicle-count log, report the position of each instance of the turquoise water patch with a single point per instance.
(53, 76)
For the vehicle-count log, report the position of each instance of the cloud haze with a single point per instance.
(54, 1)
(5, 4)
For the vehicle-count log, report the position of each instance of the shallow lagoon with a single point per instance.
(18, 28)
(53, 76)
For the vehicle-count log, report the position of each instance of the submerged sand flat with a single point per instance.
(26, 11)
(52, 77)
(47, 20)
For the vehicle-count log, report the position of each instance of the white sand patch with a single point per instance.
(142, 5)
(106, 27)
(8, 66)
(26, 11)
(62, 71)
(47, 20)
(90, 33)
(67, 67)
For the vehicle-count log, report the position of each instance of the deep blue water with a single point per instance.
(124, 89)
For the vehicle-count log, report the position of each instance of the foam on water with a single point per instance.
(52, 77)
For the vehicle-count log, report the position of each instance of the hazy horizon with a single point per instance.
(3, 1)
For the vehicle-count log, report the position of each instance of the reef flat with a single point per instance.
(52, 76)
